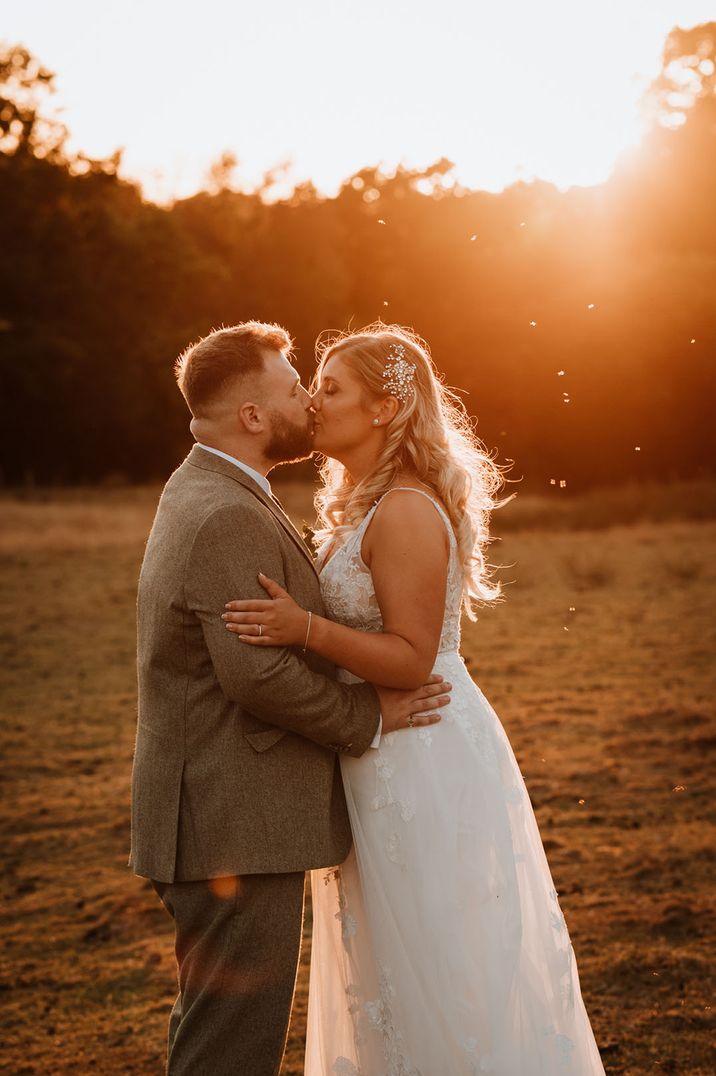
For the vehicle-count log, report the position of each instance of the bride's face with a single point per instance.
(343, 419)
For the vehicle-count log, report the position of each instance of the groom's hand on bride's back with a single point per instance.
(415, 707)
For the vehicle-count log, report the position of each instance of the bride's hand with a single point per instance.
(278, 622)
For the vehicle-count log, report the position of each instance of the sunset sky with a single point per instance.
(508, 90)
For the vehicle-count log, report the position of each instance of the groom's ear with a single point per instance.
(250, 418)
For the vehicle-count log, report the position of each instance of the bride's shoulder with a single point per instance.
(412, 495)
(409, 511)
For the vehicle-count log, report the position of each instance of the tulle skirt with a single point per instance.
(439, 946)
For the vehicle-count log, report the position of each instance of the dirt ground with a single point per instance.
(600, 663)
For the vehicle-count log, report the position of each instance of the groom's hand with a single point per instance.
(415, 707)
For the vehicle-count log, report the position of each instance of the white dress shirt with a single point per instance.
(257, 477)
(263, 481)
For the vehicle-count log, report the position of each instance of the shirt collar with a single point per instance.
(260, 479)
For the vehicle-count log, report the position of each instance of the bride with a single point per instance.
(439, 947)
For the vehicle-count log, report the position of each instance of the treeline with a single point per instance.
(580, 325)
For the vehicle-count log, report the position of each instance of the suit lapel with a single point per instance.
(207, 461)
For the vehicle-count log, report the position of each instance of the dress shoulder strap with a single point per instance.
(438, 507)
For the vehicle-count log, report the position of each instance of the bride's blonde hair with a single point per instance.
(432, 437)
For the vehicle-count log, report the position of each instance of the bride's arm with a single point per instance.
(406, 548)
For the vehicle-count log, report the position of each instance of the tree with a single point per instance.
(686, 86)
(221, 172)
(565, 318)
(25, 85)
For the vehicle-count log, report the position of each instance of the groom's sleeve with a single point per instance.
(273, 683)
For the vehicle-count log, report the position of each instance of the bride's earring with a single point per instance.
(376, 422)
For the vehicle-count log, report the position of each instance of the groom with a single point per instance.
(236, 790)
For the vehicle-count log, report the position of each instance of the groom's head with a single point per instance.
(244, 395)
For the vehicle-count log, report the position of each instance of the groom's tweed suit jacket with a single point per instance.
(235, 766)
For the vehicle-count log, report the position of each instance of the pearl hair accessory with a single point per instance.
(398, 373)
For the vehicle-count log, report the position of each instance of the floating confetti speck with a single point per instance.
(637, 448)
(571, 608)
(560, 373)
(533, 324)
(582, 801)
(473, 238)
(590, 306)
(522, 223)
(385, 302)
(380, 220)
(679, 788)
(562, 483)
(566, 629)
(553, 481)
(693, 341)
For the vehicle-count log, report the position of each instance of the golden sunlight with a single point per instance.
(509, 91)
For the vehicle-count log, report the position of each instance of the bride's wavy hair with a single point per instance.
(430, 436)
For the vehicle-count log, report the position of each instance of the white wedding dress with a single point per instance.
(439, 947)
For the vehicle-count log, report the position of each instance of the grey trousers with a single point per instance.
(237, 947)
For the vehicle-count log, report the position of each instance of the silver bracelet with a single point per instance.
(308, 631)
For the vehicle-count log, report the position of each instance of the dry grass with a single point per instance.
(612, 719)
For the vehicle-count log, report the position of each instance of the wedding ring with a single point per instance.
(261, 628)
(411, 720)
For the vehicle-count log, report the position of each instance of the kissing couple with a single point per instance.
(299, 715)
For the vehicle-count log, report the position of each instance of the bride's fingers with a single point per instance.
(252, 605)
(246, 616)
(249, 633)
(272, 587)
(245, 628)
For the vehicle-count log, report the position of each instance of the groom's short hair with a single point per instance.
(205, 369)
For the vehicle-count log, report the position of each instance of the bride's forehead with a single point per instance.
(335, 368)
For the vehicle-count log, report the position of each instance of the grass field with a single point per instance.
(600, 663)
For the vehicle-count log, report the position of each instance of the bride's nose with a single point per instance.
(316, 401)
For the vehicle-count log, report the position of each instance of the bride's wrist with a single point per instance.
(315, 633)
(305, 641)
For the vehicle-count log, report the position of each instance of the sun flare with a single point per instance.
(506, 92)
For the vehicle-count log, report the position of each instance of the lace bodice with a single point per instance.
(347, 585)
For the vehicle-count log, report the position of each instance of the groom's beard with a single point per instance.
(289, 442)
